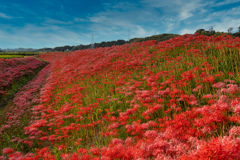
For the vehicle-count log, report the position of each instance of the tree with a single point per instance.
(200, 31)
(121, 42)
(211, 30)
(230, 30)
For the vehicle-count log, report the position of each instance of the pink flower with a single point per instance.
(151, 134)
(95, 151)
(114, 125)
(117, 141)
(128, 141)
(208, 96)
(61, 147)
(219, 85)
(7, 151)
(234, 131)
(236, 109)
(145, 126)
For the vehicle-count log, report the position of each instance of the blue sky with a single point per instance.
(51, 23)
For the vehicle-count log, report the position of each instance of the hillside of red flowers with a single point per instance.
(177, 99)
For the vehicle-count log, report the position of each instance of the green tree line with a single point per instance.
(160, 37)
(211, 32)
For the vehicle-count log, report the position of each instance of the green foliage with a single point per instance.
(11, 56)
(18, 54)
(159, 38)
(206, 33)
(64, 48)
(102, 44)
(212, 32)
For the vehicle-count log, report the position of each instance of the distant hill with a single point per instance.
(160, 37)
(19, 50)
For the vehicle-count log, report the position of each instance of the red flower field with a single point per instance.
(177, 99)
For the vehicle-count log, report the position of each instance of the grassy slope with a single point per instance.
(174, 99)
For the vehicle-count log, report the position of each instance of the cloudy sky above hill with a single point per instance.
(51, 23)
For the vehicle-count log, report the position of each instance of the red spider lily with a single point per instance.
(7, 151)
(151, 100)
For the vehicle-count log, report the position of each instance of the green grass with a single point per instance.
(11, 56)
(17, 54)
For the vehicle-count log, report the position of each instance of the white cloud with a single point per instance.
(117, 19)
(34, 36)
(222, 20)
(3, 15)
(77, 19)
(186, 10)
(226, 2)
(142, 32)
(221, 25)
(226, 23)
(219, 14)
(54, 21)
(107, 27)
(120, 5)
(187, 31)
(178, 9)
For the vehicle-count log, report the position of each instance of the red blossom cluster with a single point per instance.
(12, 70)
(177, 99)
